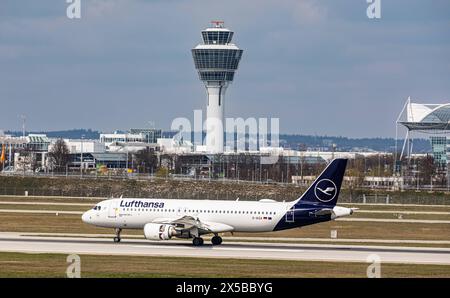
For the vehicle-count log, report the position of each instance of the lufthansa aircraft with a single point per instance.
(162, 219)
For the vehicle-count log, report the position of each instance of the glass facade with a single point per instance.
(226, 59)
(217, 37)
(217, 61)
(37, 142)
(150, 135)
(439, 148)
(216, 75)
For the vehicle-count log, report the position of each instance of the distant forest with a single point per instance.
(65, 134)
(296, 142)
(303, 142)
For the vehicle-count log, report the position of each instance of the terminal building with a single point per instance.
(440, 148)
(134, 140)
(427, 119)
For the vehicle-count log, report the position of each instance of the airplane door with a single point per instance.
(290, 215)
(112, 209)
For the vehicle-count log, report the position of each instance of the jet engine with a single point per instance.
(341, 212)
(155, 231)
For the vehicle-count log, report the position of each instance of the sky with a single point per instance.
(321, 66)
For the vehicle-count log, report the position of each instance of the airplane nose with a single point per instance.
(86, 217)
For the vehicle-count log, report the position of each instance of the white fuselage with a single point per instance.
(242, 216)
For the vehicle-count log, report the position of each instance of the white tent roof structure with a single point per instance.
(425, 117)
(422, 118)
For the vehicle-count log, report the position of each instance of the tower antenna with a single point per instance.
(217, 24)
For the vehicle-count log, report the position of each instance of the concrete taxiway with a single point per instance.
(16, 242)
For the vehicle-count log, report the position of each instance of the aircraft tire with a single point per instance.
(216, 240)
(197, 241)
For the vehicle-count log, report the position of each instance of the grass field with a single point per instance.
(55, 265)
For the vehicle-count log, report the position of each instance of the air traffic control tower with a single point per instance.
(216, 61)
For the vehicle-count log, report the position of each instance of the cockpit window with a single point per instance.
(97, 207)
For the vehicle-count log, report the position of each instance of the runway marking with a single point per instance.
(404, 212)
(431, 221)
(40, 211)
(220, 248)
(46, 203)
(396, 205)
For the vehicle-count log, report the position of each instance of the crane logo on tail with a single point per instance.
(325, 190)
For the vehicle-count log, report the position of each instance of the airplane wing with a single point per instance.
(189, 222)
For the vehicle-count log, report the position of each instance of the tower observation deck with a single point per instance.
(216, 61)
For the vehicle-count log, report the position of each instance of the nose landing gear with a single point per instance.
(117, 238)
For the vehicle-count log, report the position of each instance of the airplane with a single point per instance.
(162, 219)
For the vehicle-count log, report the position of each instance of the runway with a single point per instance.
(15, 242)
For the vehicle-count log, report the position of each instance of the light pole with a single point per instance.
(447, 178)
(126, 144)
(431, 183)
(81, 160)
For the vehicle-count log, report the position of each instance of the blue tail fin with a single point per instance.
(325, 189)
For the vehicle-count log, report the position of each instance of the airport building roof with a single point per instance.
(426, 116)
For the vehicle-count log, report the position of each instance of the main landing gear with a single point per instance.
(197, 241)
(117, 238)
(216, 240)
